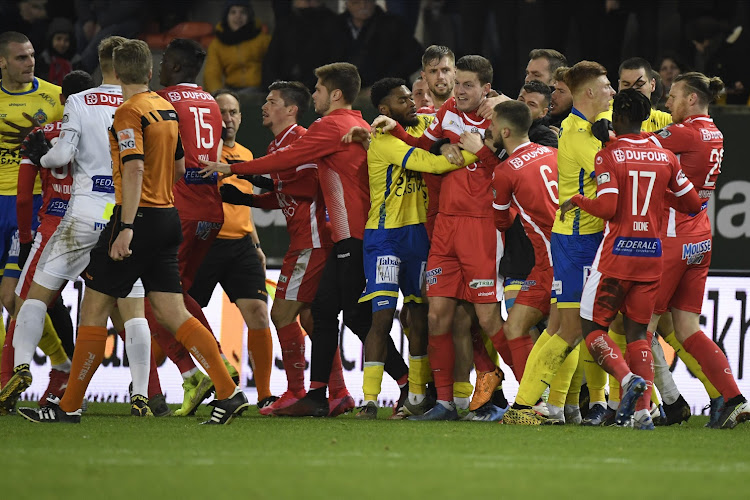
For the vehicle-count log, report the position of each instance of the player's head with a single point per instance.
(473, 82)
(589, 85)
(536, 95)
(542, 65)
(439, 71)
(561, 99)
(691, 93)
(393, 98)
(511, 119)
(74, 82)
(420, 91)
(106, 51)
(132, 62)
(337, 87)
(181, 62)
(285, 104)
(16, 59)
(231, 115)
(630, 108)
(637, 73)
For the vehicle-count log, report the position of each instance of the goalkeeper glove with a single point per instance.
(34, 146)
(600, 129)
(230, 194)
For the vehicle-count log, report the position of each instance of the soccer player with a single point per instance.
(560, 103)
(542, 65)
(422, 95)
(632, 179)
(636, 73)
(439, 71)
(140, 241)
(687, 239)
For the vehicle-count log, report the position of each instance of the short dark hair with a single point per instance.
(76, 81)
(438, 52)
(382, 88)
(293, 94)
(707, 89)
(517, 114)
(189, 54)
(342, 76)
(554, 58)
(537, 87)
(9, 37)
(476, 64)
(637, 63)
(581, 72)
(631, 104)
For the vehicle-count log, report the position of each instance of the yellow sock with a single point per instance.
(372, 380)
(494, 356)
(2, 334)
(51, 344)
(692, 365)
(614, 384)
(574, 393)
(541, 367)
(426, 370)
(596, 378)
(417, 380)
(462, 389)
(560, 386)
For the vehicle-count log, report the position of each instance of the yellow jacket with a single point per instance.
(235, 66)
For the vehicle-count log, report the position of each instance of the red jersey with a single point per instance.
(57, 185)
(297, 193)
(342, 169)
(699, 145)
(527, 180)
(197, 198)
(633, 176)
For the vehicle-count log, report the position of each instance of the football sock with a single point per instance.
(713, 362)
(292, 343)
(541, 369)
(500, 344)
(6, 359)
(692, 365)
(614, 384)
(260, 350)
(154, 384)
(462, 394)
(336, 384)
(596, 377)
(442, 359)
(372, 379)
(171, 347)
(573, 398)
(187, 374)
(403, 380)
(482, 360)
(417, 381)
(50, 343)
(662, 376)
(202, 345)
(520, 349)
(606, 354)
(29, 330)
(87, 357)
(560, 385)
(138, 349)
(642, 364)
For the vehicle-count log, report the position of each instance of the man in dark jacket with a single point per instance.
(537, 95)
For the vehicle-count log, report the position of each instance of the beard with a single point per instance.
(324, 107)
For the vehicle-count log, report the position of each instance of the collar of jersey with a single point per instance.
(574, 111)
(34, 87)
(521, 146)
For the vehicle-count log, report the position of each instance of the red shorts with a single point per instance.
(197, 237)
(686, 260)
(37, 247)
(300, 274)
(463, 260)
(603, 297)
(537, 289)
(429, 225)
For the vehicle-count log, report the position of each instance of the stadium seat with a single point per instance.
(201, 32)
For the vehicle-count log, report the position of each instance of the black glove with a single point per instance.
(230, 194)
(259, 181)
(600, 129)
(34, 146)
(23, 254)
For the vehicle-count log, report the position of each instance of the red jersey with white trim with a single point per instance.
(527, 180)
(57, 184)
(342, 169)
(699, 145)
(297, 193)
(639, 174)
(195, 197)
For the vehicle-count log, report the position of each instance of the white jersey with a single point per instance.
(86, 125)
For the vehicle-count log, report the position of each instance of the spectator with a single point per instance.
(669, 67)
(25, 16)
(59, 55)
(235, 56)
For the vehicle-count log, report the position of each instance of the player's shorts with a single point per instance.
(463, 262)
(156, 238)
(197, 238)
(300, 274)
(572, 257)
(394, 258)
(518, 253)
(536, 290)
(429, 225)
(235, 265)
(603, 297)
(686, 260)
(29, 269)
(10, 245)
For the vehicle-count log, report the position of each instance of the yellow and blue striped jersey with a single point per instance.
(398, 194)
(656, 121)
(40, 100)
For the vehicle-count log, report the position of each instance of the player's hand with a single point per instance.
(471, 142)
(601, 130)
(566, 207)
(230, 194)
(215, 166)
(22, 131)
(453, 153)
(120, 249)
(23, 254)
(555, 130)
(487, 107)
(489, 141)
(34, 146)
(382, 124)
(357, 134)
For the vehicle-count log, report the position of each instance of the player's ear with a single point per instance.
(336, 94)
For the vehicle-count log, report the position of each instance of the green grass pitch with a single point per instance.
(111, 456)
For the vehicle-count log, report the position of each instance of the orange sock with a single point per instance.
(260, 348)
(87, 357)
(202, 345)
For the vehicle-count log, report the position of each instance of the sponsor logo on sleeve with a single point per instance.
(637, 247)
(386, 271)
(602, 178)
(664, 133)
(103, 184)
(126, 139)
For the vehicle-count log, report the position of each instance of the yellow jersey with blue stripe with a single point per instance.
(40, 100)
(577, 148)
(657, 120)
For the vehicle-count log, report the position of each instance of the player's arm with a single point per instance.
(503, 189)
(607, 193)
(67, 143)
(25, 199)
(132, 184)
(179, 161)
(396, 152)
(682, 195)
(675, 138)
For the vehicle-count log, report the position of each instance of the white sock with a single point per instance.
(462, 403)
(138, 349)
(662, 376)
(447, 404)
(63, 367)
(29, 329)
(554, 410)
(415, 399)
(626, 380)
(186, 375)
(614, 405)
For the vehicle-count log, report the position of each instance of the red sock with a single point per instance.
(641, 363)
(7, 360)
(154, 385)
(501, 346)
(442, 355)
(520, 349)
(293, 355)
(606, 353)
(482, 360)
(168, 343)
(713, 362)
(336, 384)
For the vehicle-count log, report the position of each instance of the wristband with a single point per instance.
(126, 225)
(256, 245)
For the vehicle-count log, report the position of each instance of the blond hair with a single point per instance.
(105, 49)
(132, 62)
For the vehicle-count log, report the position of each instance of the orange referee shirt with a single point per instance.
(238, 219)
